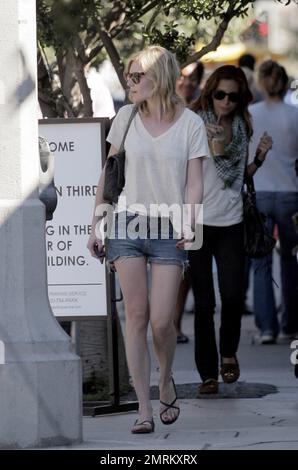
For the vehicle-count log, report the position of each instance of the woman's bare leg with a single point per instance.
(166, 279)
(132, 274)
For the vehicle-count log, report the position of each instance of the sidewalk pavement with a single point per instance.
(264, 422)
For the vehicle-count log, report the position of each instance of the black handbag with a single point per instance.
(257, 240)
(115, 169)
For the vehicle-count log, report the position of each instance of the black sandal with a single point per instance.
(168, 406)
(141, 427)
(230, 373)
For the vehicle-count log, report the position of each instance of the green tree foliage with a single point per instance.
(80, 32)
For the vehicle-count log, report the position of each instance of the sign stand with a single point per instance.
(79, 288)
(115, 406)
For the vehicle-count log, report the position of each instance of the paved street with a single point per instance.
(259, 412)
(270, 422)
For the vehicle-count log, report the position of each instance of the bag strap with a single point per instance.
(249, 183)
(132, 115)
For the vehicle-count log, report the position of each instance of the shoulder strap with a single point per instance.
(248, 181)
(132, 115)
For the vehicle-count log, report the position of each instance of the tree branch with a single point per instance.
(119, 28)
(80, 48)
(215, 42)
(84, 88)
(150, 23)
(65, 63)
(94, 52)
(113, 54)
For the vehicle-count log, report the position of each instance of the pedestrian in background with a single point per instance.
(189, 81)
(164, 149)
(247, 63)
(188, 87)
(277, 197)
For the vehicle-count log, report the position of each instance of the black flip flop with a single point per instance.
(168, 406)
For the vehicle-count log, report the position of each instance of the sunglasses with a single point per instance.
(135, 77)
(220, 95)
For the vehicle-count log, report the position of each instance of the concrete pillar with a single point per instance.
(40, 377)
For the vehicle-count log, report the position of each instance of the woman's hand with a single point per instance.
(214, 130)
(96, 247)
(264, 146)
(187, 238)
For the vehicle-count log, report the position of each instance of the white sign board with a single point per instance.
(76, 281)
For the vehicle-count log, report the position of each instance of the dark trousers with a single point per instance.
(227, 246)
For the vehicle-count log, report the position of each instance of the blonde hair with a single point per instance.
(161, 67)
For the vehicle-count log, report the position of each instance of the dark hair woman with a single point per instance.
(223, 105)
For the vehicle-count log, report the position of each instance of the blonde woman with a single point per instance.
(164, 149)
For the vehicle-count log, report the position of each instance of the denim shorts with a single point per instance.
(156, 245)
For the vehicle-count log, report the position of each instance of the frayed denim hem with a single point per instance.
(164, 261)
(174, 261)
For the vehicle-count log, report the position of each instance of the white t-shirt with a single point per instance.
(156, 167)
(280, 121)
(222, 207)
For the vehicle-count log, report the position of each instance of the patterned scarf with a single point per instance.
(231, 169)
